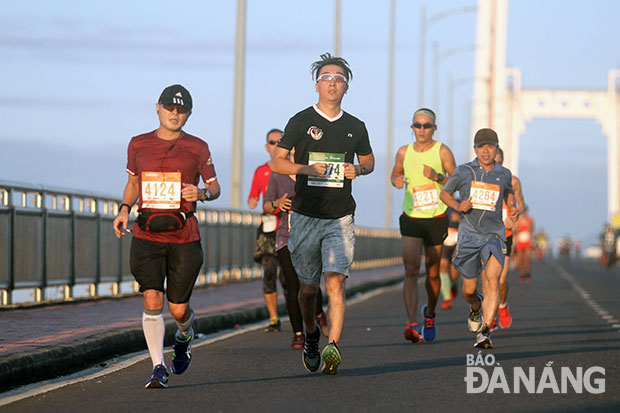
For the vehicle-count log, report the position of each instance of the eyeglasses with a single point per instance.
(180, 109)
(419, 125)
(272, 142)
(328, 77)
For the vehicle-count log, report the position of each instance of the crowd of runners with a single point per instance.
(461, 223)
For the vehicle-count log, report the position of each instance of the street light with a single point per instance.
(237, 141)
(337, 30)
(425, 24)
(390, 116)
(438, 58)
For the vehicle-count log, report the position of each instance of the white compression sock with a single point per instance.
(154, 331)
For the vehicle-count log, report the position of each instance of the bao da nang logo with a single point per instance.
(485, 375)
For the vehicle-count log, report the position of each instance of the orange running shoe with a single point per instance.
(413, 333)
(494, 325)
(505, 319)
(447, 304)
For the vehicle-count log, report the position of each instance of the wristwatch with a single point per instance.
(439, 177)
(207, 195)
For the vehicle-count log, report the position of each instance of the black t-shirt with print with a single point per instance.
(318, 139)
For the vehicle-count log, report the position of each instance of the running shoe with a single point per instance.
(159, 379)
(505, 319)
(475, 320)
(331, 358)
(182, 355)
(274, 326)
(321, 320)
(483, 339)
(298, 341)
(413, 333)
(311, 357)
(447, 304)
(429, 325)
(494, 325)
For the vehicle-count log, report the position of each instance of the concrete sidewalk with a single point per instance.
(46, 342)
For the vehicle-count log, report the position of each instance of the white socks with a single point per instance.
(154, 331)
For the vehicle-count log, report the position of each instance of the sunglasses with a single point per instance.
(272, 142)
(328, 77)
(180, 109)
(419, 125)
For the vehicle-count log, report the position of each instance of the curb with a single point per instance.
(55, 361)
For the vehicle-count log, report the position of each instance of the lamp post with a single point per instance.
(425, 24)
(337, 29)
(440, 57)
(237, 141)
(390, 116)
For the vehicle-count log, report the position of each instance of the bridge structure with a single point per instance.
(502, 104)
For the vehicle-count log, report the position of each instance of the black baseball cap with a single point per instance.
(176, 95)
(486, 136)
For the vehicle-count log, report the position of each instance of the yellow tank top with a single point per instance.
(422, 194)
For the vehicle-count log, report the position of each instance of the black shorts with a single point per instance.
(153, 262)
(508, 245)
(432, 230)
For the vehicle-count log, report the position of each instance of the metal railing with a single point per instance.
(58, 244)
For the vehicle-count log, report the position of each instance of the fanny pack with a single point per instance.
(162, 221)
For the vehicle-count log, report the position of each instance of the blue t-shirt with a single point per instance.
(489, 190)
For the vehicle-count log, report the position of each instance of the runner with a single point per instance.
(523, 231)
(265, 249)
(505, 319)
(164, 167)
(447, 273)
(422, 166)
(482, 184)
(322, 238)
(278, 200)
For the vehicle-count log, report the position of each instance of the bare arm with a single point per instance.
(282, 165)
(516, 186)
(398, 172)
(366, 166)
(449, 200)
(448, 164)
(130, 195)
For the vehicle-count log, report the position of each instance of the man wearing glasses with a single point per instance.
(265, 249)
(322, 238)
(164, 167)
(422, 168)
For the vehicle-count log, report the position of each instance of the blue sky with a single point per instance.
(80, 78)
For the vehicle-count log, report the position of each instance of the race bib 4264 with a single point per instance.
(483, 195)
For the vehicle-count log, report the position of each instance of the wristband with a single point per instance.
(273, 204)
(122, 205)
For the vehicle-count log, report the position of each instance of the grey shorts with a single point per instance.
(472, 253)
(320, 245)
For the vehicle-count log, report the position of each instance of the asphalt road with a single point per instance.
(565, 325)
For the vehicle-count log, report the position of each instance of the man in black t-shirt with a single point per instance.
(322, 236)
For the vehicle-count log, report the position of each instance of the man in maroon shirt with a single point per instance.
(164, 168)
(265, 251)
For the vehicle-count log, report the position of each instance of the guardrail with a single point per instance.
(58, 244)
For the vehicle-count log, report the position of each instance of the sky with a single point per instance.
(79, 79)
